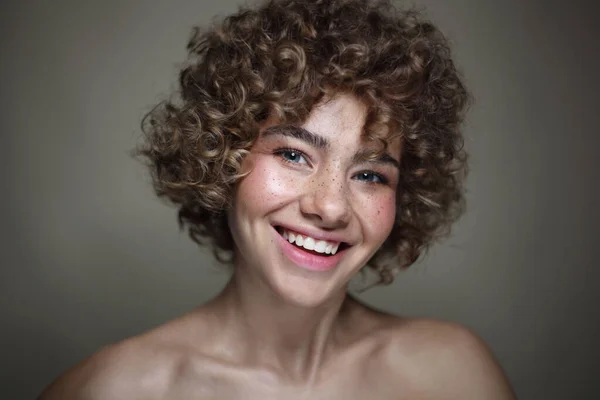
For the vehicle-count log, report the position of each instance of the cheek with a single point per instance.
(267, 186)
(379, 215)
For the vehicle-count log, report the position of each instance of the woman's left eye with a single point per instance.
(370, 177)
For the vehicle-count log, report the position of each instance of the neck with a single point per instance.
(270, 333)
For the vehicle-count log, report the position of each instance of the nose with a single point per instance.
(326, 201)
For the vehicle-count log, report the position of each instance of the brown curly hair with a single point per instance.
(280, 59)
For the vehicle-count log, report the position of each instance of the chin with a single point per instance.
(307, 289)
(299, 277)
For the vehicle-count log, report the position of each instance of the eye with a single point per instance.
(292, 156)
(371, 177)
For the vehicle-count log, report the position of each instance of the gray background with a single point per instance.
(89, 256)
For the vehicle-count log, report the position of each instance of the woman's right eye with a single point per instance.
(292, 156)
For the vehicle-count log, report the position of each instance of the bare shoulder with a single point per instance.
(448, 359)
(148, 366)
(135, 368)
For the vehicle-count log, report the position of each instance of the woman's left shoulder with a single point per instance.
(428, 334)
(453, 359)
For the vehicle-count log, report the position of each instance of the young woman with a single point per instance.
(310, 140)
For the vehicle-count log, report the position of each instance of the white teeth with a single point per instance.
(320, 246)
(335, 248)
(309, 243)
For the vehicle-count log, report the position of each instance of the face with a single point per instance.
(312, 210)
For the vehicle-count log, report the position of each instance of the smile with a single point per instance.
(309, 253)
(309, 243)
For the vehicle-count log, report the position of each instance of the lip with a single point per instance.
(308, 261)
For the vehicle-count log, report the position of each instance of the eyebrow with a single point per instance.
(322, 143)
(299, 133)
(367, 156)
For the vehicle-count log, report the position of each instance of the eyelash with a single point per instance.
(382, 179)
(282, 151)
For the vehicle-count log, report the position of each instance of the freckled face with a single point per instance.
(312, 179)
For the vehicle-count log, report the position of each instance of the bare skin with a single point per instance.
(284, 327)
(365, 354)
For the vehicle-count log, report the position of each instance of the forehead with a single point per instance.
(343, 113)
(343, 119)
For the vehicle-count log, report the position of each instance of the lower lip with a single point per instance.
(306, 260)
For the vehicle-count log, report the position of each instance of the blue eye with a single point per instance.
(293, 156)
(371, 177)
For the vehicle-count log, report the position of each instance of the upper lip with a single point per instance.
(330, 237)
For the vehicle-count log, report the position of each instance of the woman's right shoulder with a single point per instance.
(135, 368)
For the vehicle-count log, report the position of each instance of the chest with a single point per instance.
(346, 382)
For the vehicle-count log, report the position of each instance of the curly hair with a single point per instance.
(280, 59)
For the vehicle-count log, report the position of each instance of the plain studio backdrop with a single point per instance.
(90, 256)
